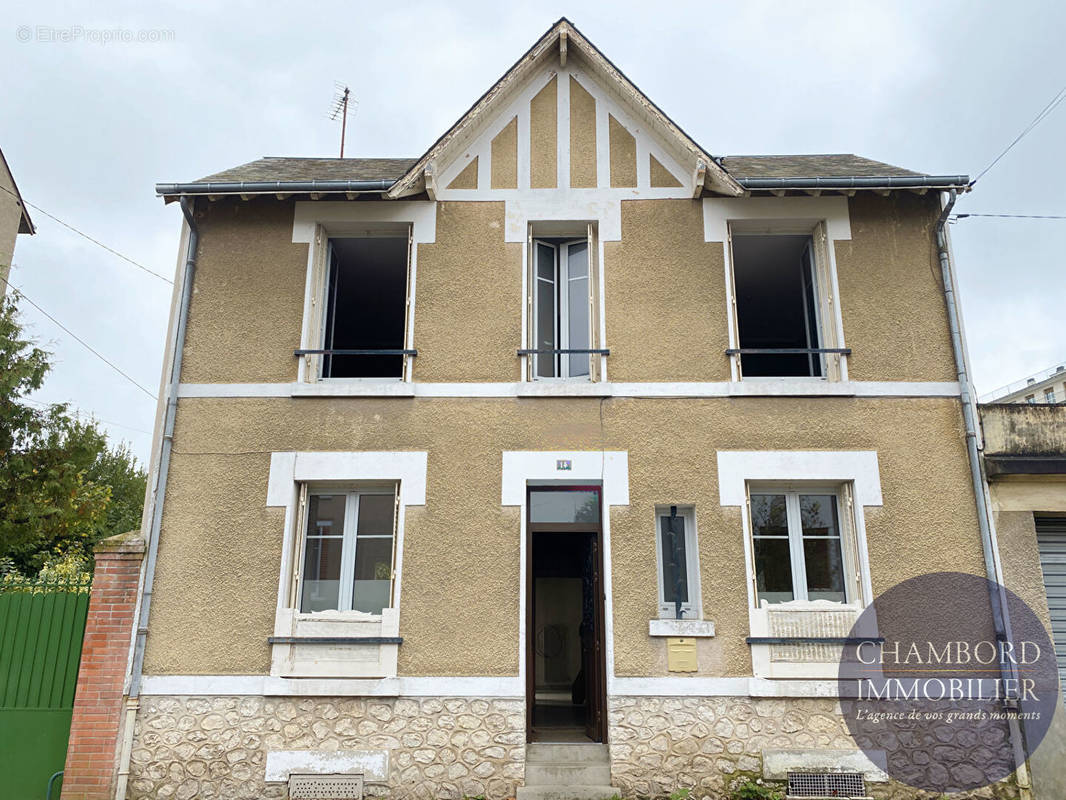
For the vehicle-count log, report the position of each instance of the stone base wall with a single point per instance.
(707, 744)
(216, 747)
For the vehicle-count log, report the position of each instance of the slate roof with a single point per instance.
(758, 172)
(835, 165)
(274, 168)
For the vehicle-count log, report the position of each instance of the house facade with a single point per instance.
(565, 455)
(14, 219)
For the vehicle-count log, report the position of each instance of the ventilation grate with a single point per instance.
(826, 784)
(325, 787)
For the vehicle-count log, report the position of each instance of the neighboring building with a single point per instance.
(1025, 460)
(447, 444)
(14, 219)
(1046, 387)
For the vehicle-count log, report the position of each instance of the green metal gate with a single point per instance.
(41, 628)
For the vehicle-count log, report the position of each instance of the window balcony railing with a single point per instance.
(566, 352)
(340, 352)
(787, 351)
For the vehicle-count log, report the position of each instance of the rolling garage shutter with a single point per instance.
(1051, 539)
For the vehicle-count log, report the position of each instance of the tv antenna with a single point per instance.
(339, 108)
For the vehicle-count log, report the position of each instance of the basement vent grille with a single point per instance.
(325, 787)
(826, 784)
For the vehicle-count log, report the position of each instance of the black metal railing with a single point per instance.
(786, 351)
(565, 352)
(332, 352)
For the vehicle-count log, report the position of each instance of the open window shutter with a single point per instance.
(850, 541)
(531, 324)
(749, 544)
(594, 321)
(735, 342)
(395, 545)
(319, 296)
(407, 361)
(826, 301)
(298, 548)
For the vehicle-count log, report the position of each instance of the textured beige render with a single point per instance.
(468, 312)
(544, 137)
(216, 747)
(10, 218)
(660, 175)
(219, 555)
(467, 179)
(623, 155)
(891, 298)
(505, 157)
(582, 136)
(247, 305)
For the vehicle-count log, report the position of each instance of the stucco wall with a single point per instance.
(582, 136)
(665, 287)
(248, 294)
(891, 298)
(220, 546)
(468, 307)
(665, 295)
(505, 157)
(623, 155)
(544, 137)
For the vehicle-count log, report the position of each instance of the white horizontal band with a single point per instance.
(751, 388)
(487, 686)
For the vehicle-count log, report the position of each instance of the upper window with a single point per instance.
(366, 307)
(675, 537)
(1049, 395)
(348, 551)
(798, 547)
(562, 305)
(777, 308)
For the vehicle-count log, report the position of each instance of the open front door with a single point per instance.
(565, 667)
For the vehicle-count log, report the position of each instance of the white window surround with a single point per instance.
(609, 469)
(312, 217)
(737, 470)
(288, 470)
(693, 608)
(780, 215)
(373, 765)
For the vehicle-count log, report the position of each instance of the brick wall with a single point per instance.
(98, 700)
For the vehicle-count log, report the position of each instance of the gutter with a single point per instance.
(159, 489)
(960, 182)
(270, 187)
(993, 566)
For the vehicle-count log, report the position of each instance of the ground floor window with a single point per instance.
(678, 562)
(798, 546)
(348, 550)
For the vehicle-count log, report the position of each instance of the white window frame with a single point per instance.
(349, 542)
(561, 283)
(846, 533)
(291, 473)
(692, 609)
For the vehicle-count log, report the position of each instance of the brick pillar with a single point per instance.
(98, 699)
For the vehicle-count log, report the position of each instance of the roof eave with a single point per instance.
(887, 182)
(172, 190)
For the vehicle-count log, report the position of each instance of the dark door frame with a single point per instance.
(597, 683)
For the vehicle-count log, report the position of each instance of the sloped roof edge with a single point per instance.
(413, 180)
(25, 223)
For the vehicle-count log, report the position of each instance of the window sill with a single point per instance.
(791, 387)
(335, 644)
(687, 628)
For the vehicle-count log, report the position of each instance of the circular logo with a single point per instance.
(934, 690)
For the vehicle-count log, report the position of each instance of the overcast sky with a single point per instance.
(89, 126)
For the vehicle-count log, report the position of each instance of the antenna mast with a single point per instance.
(340, 108)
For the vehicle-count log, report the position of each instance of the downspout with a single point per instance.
(158, 491)
(993, 570)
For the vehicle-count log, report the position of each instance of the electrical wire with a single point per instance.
(1044, 113)
(84, 235)
(1012, 216)
(86, 415)
(78, 339)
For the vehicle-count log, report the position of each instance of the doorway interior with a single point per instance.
(565, 689)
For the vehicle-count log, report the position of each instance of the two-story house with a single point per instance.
(562, 455)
